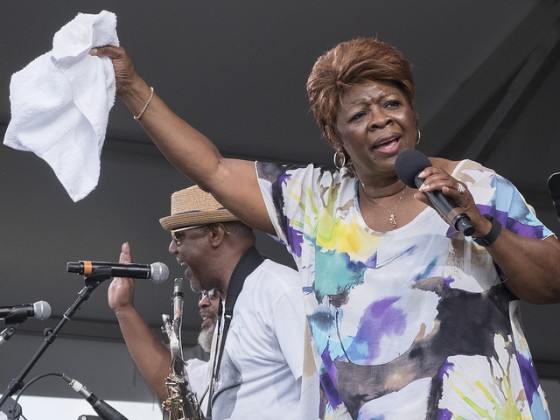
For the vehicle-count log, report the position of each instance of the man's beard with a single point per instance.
(205, 338)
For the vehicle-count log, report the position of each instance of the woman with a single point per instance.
(410, 318)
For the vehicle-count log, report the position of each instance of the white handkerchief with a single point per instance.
(60, 102)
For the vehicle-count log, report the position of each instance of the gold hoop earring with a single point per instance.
(339, 159)
(419, 136)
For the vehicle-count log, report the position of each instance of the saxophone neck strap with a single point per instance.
(250, 260)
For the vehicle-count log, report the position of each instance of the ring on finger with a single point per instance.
(461, 188)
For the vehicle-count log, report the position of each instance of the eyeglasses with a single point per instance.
(177, 238)
(210, 294)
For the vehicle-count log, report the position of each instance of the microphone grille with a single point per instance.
(42, 310)
(159, 272)
(410, 163)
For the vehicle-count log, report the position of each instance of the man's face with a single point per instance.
(208, 304)
(189, 247)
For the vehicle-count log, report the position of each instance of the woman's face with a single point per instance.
(375, 122)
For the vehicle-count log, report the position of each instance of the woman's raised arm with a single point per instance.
(233, 182)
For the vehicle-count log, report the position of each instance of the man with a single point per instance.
(257, 357)
(150, 355)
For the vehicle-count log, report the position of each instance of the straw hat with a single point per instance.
(192, 206)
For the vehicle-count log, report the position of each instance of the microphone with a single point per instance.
(18, 313)
(156, 272)
(409, 164)
(105, 411)
(554, 188)
(178, 298)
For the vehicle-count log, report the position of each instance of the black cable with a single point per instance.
(35, 379)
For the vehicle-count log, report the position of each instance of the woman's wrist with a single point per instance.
(136, 95)
(486, 236)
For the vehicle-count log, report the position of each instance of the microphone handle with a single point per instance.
(554, 189)
(107, 412)
(448, 210)
(130, 272)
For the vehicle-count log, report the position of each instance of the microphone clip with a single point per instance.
(99, 275)
(7, 333)
(16, 316)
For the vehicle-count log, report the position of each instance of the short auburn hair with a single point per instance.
(350, 63)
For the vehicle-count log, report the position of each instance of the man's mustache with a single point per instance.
(207, 313)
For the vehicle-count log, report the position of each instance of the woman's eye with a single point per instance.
(357, 116)
(392, 104)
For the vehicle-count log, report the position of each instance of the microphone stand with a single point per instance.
(99, 275)
(12, 410)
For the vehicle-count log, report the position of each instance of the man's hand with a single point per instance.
(121, 289)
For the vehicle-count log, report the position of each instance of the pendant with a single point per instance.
(393, 220)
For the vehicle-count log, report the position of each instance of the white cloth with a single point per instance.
(60, 102)
(262, 368)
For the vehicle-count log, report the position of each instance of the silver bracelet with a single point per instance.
(137, 117)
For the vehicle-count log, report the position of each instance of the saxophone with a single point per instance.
(181, 403)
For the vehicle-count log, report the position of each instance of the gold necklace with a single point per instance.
(392, 216)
